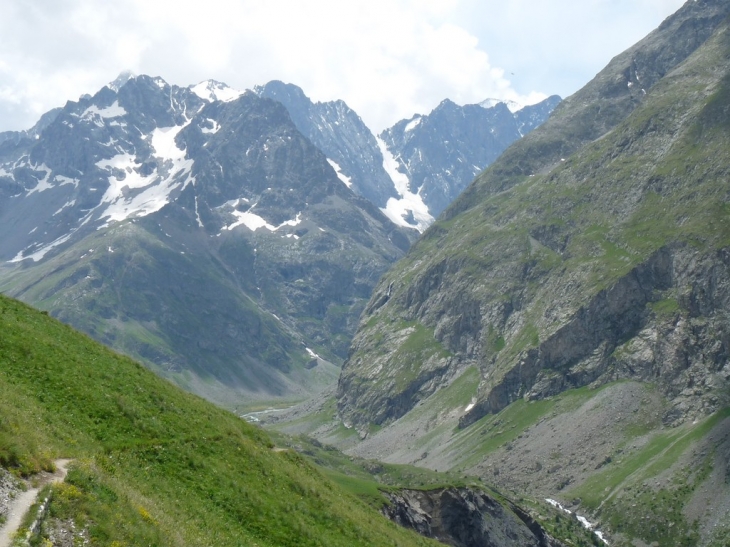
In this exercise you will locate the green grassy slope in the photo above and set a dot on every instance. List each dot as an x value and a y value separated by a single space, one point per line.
154 465
175 308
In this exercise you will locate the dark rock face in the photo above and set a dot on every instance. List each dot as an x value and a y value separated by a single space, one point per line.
616 336
339 132
197 234
463 517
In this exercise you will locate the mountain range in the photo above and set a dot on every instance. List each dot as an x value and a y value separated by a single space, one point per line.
229 240
560 332
414 169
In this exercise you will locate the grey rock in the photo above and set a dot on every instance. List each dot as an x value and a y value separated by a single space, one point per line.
464 517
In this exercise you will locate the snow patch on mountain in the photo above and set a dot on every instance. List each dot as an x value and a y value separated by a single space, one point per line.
157 186
113 111
66 180
36 256
409 210
210 90
250 220
214 126
412 124
44 183
253 222
313 354
344 178
163 141
65 206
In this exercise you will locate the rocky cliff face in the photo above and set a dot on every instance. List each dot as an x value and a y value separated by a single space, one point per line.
575 259
463 517
339 132
664 322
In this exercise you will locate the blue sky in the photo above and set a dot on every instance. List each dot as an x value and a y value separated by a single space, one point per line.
388 59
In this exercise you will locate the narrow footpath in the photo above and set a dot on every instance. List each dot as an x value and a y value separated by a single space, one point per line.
24 500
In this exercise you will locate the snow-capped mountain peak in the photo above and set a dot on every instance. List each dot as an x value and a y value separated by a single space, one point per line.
211 90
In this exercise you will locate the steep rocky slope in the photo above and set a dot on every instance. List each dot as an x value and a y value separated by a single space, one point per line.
196 229
591 259
338 131
547 275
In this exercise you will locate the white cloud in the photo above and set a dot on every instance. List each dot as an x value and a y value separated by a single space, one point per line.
386 58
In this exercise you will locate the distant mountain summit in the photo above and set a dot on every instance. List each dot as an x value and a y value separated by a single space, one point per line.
211 91
120 80
512 105
439 154
341 134
414 169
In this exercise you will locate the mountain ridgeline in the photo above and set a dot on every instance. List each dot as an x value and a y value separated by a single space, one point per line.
229 240
414 169
584 275
443 151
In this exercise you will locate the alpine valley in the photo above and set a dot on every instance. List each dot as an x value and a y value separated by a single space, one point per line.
560 332
563 329
226 239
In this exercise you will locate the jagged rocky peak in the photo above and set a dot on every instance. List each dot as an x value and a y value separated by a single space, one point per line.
340 133
120 80
285 93
434 157
211 90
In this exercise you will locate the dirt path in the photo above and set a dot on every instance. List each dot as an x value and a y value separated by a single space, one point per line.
23 501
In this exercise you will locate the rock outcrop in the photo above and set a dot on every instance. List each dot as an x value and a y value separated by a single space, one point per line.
464 517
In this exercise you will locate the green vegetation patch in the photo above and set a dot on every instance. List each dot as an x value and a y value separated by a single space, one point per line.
656 506
155 465
473 444
419 346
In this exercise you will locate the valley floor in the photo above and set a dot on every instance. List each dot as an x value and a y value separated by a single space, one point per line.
603 452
